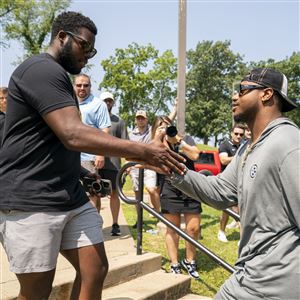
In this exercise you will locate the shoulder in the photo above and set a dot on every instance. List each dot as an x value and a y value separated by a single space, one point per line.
224 145
44 62
41 70
96 102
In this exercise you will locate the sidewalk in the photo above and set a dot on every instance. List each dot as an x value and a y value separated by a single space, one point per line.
115 247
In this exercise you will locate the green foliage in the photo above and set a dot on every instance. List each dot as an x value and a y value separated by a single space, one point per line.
212 69
30 21
291 68
140 79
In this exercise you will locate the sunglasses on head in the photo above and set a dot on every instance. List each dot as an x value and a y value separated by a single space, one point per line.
86 46
79 85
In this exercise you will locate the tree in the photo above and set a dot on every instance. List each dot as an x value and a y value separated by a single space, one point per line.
212 70
291 68
141 79
30 21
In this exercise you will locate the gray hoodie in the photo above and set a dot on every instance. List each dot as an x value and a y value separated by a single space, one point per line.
264 181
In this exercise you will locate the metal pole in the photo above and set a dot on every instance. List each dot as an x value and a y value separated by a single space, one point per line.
139 227
181 67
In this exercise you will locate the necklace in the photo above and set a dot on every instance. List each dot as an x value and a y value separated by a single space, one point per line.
248 150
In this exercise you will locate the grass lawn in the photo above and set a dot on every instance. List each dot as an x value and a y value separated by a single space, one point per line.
212 276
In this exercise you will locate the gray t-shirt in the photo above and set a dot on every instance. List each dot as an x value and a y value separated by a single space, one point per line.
118 129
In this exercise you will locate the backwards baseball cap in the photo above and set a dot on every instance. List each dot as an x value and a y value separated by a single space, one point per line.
273 79
141 113
106 95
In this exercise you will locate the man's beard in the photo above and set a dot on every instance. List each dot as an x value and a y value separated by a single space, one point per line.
67 59
243 117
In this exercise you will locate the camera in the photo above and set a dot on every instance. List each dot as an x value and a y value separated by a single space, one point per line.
100 187
171 131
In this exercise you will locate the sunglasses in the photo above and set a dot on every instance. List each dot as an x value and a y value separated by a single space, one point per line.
245 89
85 85
238 134
86 46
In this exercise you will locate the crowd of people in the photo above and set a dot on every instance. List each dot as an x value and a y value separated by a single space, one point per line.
52 130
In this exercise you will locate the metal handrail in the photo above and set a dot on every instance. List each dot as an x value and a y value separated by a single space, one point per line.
139 202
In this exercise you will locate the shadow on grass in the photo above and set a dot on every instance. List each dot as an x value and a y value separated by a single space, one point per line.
210 288
205 224
233 236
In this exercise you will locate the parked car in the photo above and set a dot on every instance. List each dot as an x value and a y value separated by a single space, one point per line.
208 162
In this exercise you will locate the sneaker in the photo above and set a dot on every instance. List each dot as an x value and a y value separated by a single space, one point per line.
222 237
176 269
115 229
234 224
191 268
152 231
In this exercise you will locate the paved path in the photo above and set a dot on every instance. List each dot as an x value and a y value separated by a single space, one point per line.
115 246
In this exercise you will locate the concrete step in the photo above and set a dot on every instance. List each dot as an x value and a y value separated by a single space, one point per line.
158 285
194 297
131 266
121 269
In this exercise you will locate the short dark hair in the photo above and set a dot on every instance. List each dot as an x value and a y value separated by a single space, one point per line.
71 21
238 125
3 90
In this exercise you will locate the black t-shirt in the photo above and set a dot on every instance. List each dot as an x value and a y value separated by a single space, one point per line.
229 148
37 173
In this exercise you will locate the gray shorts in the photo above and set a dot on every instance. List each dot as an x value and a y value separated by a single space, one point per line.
33 240
149 178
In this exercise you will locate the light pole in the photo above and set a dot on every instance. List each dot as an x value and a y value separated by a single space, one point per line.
181 67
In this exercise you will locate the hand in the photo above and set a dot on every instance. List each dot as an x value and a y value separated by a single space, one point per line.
160 158
99 162
174 140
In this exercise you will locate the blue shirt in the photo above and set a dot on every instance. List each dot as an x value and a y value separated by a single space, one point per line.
94 113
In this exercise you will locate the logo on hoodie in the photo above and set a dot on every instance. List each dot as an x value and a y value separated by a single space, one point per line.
253 171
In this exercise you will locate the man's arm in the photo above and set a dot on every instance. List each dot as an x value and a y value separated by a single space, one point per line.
224 158
100 159
219 191
67 126
173 113
289 176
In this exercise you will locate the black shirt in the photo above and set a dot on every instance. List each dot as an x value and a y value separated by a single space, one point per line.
229 148
37 173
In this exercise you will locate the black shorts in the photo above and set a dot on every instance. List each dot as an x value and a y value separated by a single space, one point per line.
110 175
174 201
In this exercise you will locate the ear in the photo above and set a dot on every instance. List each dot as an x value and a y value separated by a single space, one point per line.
267 95
62 36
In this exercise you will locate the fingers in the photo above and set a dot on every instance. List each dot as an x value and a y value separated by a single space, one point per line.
161 170
174 162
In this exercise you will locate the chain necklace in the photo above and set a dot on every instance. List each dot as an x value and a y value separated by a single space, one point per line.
248 150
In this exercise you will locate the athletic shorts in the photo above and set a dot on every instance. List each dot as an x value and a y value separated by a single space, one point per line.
33 240
149 178
110 175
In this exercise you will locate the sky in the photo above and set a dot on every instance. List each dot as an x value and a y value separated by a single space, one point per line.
258 30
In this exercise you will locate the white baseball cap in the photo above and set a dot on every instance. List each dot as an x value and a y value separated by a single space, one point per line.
107 95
